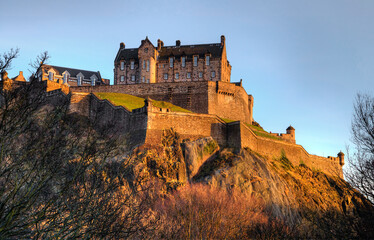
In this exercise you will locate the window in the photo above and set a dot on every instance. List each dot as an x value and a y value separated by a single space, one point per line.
143 64
188 75
79 80
50 76
143 79
93 82
213 74
165 76
147 80
200 74
171 62
183 61
195 61
146 50
147 65
122 78
133 78
122 65
132 65
176 75
207 60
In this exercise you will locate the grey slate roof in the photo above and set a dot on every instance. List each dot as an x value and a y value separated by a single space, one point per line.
73 72
215 49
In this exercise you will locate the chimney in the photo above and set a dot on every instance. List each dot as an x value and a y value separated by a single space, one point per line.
158 44
20 74
178 43
121 45
223 40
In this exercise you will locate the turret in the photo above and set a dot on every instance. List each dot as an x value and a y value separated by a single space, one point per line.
341 158
290 130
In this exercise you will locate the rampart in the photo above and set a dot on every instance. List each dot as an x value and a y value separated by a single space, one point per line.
227 100
240 133
145 125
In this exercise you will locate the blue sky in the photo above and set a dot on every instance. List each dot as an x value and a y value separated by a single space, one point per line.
303 61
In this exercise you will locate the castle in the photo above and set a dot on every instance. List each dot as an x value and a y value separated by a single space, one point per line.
195 78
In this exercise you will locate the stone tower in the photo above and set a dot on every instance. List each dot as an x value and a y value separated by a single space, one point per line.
341 158
291 131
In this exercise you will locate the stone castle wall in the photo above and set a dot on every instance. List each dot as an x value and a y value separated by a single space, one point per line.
145 125
239 132
227 100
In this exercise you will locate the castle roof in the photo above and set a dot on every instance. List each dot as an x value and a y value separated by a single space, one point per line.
214 49
290 128
72 71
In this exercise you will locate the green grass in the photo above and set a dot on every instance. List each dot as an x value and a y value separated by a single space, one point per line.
132 102
259 131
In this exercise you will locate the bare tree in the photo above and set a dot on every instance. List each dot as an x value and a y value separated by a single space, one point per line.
361 162
7 58
59 176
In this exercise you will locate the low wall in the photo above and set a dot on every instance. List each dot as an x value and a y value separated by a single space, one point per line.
273 149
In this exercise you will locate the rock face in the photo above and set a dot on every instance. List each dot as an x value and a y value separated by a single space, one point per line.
197 152
318 204
307 200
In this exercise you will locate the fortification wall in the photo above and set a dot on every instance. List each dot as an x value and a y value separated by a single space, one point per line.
273 149
226 100
145 125
188 125
119 120
229 100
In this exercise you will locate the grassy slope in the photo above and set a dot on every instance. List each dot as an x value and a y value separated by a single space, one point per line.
132 102
259 131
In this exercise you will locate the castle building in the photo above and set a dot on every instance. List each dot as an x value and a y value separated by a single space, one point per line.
70 76
179 63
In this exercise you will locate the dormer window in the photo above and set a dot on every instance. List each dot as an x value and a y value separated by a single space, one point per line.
50 76
79 80
171 61
183 61
66 76
207 60
195 61
132 65
122 65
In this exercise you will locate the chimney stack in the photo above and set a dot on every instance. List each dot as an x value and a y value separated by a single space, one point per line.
223 40
158 44
178 43
121 45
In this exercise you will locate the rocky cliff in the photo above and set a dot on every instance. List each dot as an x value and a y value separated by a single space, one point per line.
311 203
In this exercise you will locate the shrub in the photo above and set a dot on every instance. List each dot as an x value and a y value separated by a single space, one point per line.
201 212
